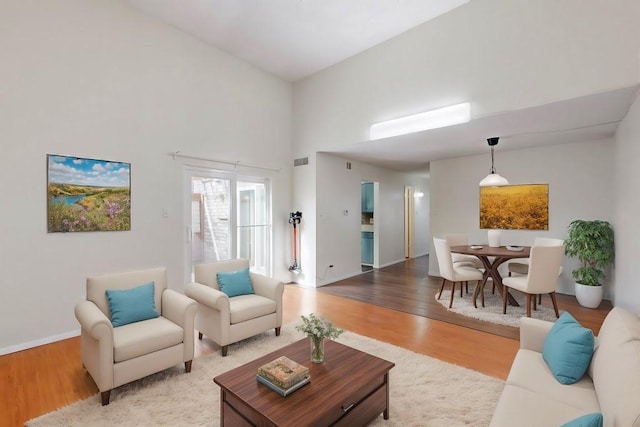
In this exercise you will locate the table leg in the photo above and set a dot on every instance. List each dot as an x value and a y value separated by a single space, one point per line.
491 270
385 413
495 275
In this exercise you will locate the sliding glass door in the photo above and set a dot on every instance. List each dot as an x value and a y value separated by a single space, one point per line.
253 225
229 217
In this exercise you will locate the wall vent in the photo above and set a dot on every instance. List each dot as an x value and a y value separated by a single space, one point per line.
301 161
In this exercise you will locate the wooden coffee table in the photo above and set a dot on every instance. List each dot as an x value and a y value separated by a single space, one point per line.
350 388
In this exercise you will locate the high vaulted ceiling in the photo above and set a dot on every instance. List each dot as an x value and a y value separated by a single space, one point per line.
293 39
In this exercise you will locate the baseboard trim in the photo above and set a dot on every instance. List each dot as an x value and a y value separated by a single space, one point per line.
392 263
337 279
39 342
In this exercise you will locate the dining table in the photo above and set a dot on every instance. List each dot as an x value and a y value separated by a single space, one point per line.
492 258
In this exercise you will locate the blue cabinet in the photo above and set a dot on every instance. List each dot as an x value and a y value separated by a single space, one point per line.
367 197
367 247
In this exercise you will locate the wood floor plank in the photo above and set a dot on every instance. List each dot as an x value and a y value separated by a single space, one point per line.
42 379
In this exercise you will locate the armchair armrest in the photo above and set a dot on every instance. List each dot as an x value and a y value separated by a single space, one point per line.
533 333
207 295
181 310
267 287
94 321
178 308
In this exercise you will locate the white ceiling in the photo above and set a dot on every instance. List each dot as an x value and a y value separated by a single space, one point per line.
293 39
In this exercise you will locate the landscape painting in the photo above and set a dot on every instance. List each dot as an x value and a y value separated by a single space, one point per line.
87 194
515 207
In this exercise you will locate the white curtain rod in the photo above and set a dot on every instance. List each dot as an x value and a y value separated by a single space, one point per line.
177 154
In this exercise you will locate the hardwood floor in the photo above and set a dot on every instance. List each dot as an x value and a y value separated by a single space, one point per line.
407 287
42 379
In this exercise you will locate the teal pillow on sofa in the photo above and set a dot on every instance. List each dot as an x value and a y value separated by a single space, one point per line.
589 420
132 305
567 349
234 283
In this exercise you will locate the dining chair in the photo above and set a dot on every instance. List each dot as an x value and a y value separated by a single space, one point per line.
544 264
521 266
454 274
458 239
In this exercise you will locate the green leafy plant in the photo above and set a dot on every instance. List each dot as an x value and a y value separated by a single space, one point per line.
317 328
592 243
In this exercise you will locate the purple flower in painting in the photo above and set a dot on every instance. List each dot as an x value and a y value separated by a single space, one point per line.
113 209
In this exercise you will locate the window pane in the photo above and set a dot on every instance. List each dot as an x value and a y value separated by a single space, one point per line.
253 228
211 207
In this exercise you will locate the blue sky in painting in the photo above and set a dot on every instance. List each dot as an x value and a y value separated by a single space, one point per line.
79 171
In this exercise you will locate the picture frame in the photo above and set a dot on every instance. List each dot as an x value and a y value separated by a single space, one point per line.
85 194
515 207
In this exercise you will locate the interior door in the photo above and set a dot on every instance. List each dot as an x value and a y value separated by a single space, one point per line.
409 226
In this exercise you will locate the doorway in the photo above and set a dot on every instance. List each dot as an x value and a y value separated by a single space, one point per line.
409 222
368 238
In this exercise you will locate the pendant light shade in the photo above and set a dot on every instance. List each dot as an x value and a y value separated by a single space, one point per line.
493 179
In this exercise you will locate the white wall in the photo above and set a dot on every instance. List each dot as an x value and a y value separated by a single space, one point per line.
580 178
304 196
98 79
627 209
500 55
337 236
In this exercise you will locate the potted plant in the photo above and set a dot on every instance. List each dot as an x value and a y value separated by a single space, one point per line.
592 243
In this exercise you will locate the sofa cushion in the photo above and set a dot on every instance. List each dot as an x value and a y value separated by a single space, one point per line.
616 368
132 305
234 283
139 338
588 420
246 307
567 349
526 408
530 371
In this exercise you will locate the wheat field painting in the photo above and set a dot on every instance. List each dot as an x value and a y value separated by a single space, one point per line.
87 195
515 207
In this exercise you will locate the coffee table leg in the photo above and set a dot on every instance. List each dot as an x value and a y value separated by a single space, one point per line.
385 414
221 406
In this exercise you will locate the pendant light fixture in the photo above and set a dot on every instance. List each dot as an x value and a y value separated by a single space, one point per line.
493 179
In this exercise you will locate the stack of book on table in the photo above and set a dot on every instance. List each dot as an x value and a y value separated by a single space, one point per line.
283 375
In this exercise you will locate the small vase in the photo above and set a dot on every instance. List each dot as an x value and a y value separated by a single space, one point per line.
317 349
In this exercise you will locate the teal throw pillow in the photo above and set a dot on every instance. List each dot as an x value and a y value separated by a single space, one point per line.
589 420
234 283
132 305
567 349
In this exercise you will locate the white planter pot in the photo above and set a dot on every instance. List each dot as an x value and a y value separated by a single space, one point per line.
494 238
588 296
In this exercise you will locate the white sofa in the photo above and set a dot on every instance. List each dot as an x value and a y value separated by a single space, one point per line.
533 397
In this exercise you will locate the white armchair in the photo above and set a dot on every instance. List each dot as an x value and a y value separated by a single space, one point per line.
114 356
226 320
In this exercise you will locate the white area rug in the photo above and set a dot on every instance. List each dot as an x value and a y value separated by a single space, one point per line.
424 391
492 311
